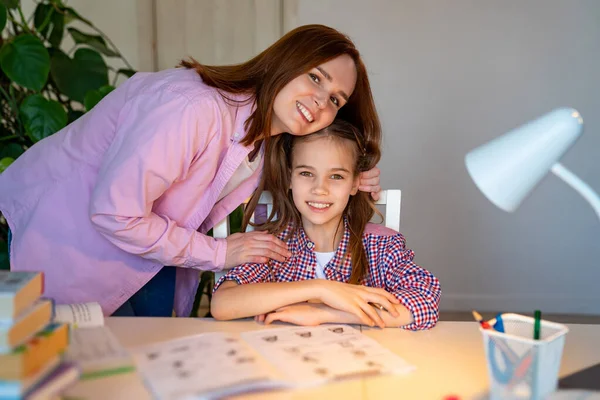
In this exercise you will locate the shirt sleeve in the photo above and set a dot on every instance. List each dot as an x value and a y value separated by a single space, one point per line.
416 288
159 135
246 273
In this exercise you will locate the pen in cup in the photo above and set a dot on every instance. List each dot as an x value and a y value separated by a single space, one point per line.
537 315
499 324
478 318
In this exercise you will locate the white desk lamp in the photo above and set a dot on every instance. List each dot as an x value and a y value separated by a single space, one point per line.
507 168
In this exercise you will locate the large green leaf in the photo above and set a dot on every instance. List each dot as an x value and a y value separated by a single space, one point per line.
2 17
84 72
127 72
10 3
42 18
11 150
25 60
49 23
5 162
95 41
93 97
42 117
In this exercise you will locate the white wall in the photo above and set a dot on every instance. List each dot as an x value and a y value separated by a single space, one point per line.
450 75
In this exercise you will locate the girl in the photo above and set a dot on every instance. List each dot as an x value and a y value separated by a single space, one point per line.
136 183
324 221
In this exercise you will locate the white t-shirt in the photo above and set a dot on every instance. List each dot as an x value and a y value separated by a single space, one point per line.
322 260
244 171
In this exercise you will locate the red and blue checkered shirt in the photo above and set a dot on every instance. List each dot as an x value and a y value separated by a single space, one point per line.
391 267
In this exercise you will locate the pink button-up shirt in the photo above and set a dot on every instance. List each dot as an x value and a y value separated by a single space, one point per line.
129 187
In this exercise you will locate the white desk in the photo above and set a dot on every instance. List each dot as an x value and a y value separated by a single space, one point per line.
450 360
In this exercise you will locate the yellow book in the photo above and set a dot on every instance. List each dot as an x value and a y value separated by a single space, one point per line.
30 357
28 324
18 291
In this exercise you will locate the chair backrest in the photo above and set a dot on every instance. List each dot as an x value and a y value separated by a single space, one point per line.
392 199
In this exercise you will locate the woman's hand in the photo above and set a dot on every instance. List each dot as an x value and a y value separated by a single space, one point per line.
355 299
305 314
254 247
369 182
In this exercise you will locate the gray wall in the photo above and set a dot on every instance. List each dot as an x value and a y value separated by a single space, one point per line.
451 75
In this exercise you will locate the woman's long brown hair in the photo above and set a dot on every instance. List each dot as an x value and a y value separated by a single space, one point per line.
296 53
277 178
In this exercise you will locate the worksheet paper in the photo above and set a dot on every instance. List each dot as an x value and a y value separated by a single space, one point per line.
218 364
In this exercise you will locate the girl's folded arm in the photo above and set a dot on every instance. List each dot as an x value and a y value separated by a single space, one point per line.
417 289
247 290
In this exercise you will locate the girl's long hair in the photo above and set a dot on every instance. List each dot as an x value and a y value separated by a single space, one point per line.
262 78
277 177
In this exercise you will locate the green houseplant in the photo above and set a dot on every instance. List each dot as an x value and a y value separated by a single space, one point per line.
43 87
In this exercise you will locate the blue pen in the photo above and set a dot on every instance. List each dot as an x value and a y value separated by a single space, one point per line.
499 325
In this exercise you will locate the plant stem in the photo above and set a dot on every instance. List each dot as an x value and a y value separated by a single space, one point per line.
23 19
2 139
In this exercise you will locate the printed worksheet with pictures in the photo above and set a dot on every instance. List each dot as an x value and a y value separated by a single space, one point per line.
314 355
218 364
209 365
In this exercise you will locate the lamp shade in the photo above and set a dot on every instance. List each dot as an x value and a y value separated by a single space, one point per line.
507 168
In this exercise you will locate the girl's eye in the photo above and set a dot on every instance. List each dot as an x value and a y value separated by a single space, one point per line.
314 77
335 101
336 176
305 173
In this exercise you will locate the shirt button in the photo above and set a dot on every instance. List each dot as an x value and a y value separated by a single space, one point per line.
310 245
309 268
236 135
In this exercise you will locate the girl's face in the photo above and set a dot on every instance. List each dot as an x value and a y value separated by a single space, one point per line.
311 101
321 185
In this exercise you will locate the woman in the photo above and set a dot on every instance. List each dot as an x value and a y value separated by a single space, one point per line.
137 182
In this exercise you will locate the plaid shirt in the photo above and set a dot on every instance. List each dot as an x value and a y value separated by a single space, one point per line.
391 267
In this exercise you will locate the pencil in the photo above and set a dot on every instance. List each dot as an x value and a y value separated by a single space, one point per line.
478 318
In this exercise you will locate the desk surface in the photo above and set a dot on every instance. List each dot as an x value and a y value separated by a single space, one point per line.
449 360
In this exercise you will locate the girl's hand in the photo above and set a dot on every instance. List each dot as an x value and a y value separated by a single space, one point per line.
369 182
254 247
305 314
355 299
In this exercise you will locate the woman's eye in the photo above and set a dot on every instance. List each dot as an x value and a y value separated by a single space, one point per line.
335 101
305 173
314 77
336 176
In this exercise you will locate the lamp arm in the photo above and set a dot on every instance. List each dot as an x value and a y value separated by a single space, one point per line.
580 186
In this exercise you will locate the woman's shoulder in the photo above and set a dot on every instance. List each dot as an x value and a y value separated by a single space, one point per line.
384 238
378 230
178 84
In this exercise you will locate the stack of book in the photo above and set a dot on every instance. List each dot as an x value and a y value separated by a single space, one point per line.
32 365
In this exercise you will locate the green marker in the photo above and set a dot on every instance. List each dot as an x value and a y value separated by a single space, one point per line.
537 315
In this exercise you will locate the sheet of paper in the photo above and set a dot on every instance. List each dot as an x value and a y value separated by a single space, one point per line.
97 349
79 315
313 355
203 366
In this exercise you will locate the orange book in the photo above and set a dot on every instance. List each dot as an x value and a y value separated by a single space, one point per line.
18 291
30 321
28 358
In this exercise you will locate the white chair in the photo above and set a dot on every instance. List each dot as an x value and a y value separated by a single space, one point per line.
391 199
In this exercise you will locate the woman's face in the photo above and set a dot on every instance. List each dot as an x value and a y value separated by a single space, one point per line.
311 101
